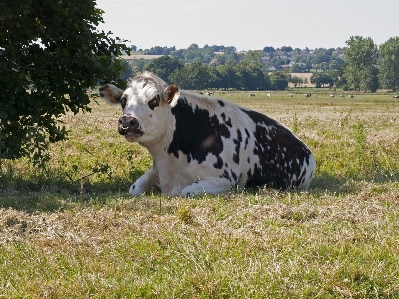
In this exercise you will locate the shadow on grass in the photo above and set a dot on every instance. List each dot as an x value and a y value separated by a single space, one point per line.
39 193
347 185
50 195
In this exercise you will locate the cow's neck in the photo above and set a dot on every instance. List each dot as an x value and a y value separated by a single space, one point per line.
160 145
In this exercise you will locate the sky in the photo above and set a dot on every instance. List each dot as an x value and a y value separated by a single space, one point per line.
249 24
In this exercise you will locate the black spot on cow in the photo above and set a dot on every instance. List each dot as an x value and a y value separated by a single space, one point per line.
226 121
237 142
219 163
197 133
221 103
281 154
234 176
226 175
246 139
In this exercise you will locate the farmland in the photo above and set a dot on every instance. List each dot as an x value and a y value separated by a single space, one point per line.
70 230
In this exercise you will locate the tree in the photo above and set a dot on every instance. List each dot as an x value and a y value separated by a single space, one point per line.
360 72
50 53
295 80
321 79
251 76
163 66
389 64
286 49
268 49
127 72
195 76
279 81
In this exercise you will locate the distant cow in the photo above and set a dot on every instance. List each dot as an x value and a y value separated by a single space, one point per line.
331 95
268 95
395 97
251 95
290 95
206 145
342 96
351 96
308 95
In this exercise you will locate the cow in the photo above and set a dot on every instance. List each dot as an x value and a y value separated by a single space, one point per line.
251 95
331 95
205 145
351 96
342 96
308 95
395 97
290 95
268 95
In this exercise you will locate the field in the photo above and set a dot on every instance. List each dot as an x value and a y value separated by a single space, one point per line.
70 230
303 76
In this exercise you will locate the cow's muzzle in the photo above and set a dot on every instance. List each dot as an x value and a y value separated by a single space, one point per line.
129 125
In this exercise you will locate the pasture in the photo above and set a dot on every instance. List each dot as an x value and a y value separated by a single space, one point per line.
71 231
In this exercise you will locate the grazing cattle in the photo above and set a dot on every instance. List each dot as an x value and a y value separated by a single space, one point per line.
395 97
308 95
200 92
342 96
209 93
331 95
290 95
351 96
251 95
268 95
206 145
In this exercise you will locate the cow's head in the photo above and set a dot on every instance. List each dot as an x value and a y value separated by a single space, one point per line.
146 105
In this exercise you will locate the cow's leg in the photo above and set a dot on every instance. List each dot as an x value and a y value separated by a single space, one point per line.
207 185
145 183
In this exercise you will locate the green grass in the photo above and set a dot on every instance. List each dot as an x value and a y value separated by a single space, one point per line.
71 231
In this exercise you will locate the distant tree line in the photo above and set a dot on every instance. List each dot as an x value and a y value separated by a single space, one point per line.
359 66
244 75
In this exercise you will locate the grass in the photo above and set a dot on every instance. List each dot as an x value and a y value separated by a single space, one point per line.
71 231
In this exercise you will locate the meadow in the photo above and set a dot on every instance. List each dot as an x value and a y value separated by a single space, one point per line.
70 230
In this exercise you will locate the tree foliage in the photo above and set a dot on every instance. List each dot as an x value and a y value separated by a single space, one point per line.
50 53
164 66
279 80
322 79
389 64
360 71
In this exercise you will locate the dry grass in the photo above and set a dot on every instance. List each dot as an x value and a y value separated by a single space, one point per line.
67 233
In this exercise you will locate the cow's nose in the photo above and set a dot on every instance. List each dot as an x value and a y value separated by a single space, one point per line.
127 122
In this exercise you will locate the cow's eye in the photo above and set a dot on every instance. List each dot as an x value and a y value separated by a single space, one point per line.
123 102
154 102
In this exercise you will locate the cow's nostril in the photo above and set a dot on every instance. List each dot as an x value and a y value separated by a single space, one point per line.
132 122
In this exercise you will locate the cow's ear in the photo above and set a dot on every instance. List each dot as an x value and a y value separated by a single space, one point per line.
111 94
172 94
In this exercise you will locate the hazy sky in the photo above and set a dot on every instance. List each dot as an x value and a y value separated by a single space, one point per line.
249 24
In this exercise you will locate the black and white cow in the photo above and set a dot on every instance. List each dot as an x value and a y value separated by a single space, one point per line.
206 145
